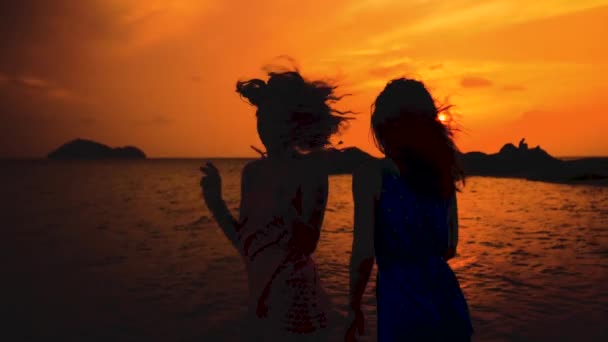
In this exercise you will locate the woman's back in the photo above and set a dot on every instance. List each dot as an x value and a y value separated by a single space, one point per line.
276 195
410 225
270 187
418 294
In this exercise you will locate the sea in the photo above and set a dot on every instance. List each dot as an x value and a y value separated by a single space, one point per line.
127 251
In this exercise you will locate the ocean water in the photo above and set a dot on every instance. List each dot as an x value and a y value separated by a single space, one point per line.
127 251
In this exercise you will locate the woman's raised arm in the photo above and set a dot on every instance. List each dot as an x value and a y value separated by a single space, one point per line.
211 186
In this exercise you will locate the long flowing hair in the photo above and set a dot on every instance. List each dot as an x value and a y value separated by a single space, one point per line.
300 109
407 128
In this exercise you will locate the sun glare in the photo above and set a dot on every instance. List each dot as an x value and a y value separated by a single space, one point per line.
442 117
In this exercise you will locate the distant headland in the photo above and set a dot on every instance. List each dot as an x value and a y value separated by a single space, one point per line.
88 149
534 164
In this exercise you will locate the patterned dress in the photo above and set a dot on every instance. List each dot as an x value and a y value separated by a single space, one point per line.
283 282
419 297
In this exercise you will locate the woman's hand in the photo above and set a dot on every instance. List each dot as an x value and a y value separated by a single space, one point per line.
357 325
211 185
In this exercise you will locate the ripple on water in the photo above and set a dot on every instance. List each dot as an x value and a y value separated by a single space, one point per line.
531 253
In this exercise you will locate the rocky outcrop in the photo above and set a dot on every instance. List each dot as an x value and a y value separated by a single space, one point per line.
88 149
532 163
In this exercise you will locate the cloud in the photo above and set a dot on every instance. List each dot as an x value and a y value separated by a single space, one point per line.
31 82
395 70
475 82
34 86
514 87
466 16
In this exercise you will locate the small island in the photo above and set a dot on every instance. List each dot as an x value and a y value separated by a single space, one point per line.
89 150
534 164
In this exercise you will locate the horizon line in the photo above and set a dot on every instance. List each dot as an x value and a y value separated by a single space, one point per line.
229 157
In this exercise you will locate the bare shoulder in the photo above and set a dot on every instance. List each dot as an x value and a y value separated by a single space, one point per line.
252 170
253 166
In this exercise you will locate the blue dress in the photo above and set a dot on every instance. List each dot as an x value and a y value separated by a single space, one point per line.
419 297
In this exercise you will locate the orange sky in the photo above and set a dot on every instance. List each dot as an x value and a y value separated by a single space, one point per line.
161 74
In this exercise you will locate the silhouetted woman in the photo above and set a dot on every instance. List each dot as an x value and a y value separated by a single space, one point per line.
283 200
406 219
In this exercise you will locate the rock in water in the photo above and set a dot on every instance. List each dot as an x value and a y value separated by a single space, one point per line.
532 163
88 149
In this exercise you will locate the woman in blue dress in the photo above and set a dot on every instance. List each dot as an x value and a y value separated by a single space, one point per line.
406 222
